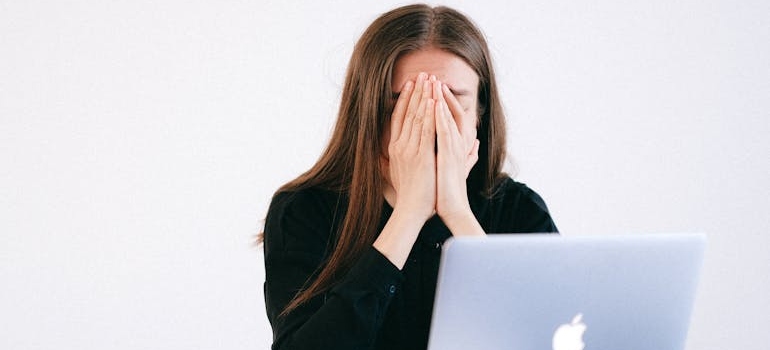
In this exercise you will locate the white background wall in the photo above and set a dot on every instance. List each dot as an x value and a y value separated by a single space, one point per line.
140 142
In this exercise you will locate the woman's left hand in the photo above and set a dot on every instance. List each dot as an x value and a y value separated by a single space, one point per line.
456 154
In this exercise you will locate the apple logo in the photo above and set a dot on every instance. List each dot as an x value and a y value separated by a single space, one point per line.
570 336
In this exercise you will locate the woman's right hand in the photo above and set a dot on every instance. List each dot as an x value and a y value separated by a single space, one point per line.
411 150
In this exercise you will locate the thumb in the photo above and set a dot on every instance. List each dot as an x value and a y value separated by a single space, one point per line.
472 157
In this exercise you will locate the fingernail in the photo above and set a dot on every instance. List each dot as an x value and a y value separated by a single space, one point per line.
433 78
408 85
422 76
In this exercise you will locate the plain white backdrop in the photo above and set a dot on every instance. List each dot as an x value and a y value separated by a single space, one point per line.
141 141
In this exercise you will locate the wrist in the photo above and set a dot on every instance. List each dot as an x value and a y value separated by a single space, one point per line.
398 236
410 216
456 216
462 223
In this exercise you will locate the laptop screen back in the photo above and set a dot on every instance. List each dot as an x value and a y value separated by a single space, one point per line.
563 293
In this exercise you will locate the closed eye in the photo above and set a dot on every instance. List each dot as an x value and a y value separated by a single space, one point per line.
458 92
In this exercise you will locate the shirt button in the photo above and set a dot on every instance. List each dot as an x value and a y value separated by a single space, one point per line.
438 245
392 289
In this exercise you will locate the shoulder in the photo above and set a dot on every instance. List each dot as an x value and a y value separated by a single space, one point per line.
511 192
516 208
307 200
302 219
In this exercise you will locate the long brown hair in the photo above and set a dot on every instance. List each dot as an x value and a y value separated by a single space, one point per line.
351 162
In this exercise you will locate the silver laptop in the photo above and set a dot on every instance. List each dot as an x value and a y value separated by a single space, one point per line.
566 293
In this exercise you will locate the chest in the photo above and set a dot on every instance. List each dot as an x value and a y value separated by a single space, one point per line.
407 323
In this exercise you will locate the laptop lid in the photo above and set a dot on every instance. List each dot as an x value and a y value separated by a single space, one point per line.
566 293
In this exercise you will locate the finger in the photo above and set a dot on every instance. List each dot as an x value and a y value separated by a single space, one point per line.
422 93
434 82
443 131
451 119
452 137
474 153
445 106
399 111
417 124
467 131
446 112
428 142
473 157
414 99
454 105
457 137
436 88
427 91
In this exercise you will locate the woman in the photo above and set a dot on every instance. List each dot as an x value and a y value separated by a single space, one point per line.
352 246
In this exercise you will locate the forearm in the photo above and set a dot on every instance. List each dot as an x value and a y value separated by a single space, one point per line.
463 224
346 317
398 236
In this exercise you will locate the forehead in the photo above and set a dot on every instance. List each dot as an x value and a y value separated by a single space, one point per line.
447 67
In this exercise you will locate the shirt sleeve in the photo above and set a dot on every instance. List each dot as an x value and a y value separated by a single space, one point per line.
535 215
348 316
527 211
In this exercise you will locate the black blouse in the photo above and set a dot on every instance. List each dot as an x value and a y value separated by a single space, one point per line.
375 306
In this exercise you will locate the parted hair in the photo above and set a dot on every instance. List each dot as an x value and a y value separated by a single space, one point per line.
350 164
